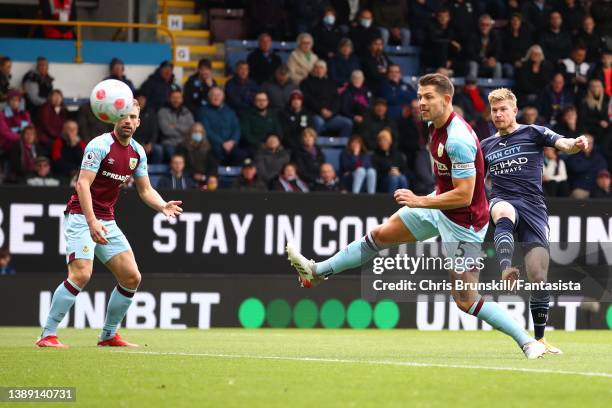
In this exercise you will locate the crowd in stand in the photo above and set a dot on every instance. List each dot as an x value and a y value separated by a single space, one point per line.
340 82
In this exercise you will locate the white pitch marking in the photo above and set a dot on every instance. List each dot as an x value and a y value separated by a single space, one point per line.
375 362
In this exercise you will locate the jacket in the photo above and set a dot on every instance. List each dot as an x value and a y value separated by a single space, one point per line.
174 124
221 124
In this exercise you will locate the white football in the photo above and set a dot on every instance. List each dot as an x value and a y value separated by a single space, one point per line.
111 100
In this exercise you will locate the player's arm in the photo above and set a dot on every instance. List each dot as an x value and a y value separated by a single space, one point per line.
83 189
572 146
460 196
152 198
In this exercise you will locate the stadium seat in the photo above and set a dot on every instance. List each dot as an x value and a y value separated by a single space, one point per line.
332 156
154 178
236 50
158 169
406 57
332 141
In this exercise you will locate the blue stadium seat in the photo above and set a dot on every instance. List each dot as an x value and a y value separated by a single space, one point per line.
154 178
228 171
332 156
236 50
332 141
158 169
406 57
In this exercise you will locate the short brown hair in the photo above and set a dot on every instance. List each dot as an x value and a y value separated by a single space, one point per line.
441 82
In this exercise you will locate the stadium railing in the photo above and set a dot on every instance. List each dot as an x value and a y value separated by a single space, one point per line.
100 24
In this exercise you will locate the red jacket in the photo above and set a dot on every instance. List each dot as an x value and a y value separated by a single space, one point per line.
50 124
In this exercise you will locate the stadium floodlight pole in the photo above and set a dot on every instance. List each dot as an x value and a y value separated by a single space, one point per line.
100 24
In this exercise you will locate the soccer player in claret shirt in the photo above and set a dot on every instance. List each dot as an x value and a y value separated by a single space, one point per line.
90 229
457 211
514 158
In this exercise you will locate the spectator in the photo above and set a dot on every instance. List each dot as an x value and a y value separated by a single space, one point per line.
157 87
212 184
421 12
593 114
199 160
197 86
346 11
536 12
602 185
602 13
516 39
390 17
487 51
279 89
58 10
270 158
530 116
295 118
178 179
356 167
390 164
147 133
117 71
567 125
306 13
414 132
588 36
67 151
356 98
90 126
288 180
222 128
572 15
5 260
13 119
376 120
248 179
327 35
175 122
554 98
603 71
375 65
555 41
263 61
554 177
483 126
364 32
5 77
343 63
328 181
396 92
576 70
321 98
464 18
42 176
37 84
533 76
471 100
308 157
583 168
257 123
302 59
241 89
266 16
442 47
23 155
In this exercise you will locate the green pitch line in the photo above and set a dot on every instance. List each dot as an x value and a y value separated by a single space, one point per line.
305 368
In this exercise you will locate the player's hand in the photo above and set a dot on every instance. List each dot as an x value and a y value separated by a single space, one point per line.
98 232
172 209
582 143
406 197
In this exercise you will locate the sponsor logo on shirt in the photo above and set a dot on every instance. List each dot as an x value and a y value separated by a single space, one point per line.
115 176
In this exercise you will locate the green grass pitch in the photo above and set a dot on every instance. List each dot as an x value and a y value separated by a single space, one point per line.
312 368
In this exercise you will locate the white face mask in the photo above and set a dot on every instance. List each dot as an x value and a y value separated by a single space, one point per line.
365 22
329 19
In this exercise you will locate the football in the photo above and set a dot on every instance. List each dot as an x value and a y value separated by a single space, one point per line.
110 100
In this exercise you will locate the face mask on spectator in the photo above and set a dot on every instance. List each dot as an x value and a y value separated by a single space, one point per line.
329 19
366 22
197 137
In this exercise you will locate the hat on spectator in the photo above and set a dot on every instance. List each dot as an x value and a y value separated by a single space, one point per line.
248 163
296 93
603 173
166 64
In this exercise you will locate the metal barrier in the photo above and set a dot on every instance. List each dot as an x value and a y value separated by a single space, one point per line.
100 24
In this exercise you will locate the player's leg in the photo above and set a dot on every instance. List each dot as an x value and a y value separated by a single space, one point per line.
119 259
406 225
465 243
504 217
79 257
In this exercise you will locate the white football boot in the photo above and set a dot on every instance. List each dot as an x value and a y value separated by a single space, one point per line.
534 349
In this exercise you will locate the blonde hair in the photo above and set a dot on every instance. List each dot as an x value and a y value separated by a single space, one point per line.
385 133
309 132
502 94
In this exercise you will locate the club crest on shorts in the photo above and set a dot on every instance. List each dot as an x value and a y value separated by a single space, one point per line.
133 163
440 149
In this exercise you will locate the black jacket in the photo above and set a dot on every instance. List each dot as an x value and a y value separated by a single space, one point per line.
320 93
262 67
